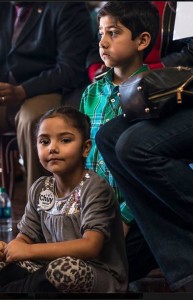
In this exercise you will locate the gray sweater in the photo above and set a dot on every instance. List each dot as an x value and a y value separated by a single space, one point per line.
90 206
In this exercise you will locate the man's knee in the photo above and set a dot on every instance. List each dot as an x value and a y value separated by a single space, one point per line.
33 108
129 148
27 116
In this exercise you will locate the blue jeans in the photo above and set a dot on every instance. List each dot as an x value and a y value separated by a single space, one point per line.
150 162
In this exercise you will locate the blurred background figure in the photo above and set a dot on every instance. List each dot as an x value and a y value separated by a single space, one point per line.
44 47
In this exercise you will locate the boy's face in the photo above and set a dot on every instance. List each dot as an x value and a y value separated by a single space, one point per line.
116 47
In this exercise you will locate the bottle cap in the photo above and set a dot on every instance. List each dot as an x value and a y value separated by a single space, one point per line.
2 190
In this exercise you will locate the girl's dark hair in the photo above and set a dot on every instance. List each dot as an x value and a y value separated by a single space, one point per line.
79 120
137 16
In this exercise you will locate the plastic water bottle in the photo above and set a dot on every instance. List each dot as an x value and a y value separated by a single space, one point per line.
5 212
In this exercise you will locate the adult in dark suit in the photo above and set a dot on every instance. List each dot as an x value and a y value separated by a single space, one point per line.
41 64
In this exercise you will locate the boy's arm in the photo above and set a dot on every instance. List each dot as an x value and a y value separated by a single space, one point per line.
127 217
83 100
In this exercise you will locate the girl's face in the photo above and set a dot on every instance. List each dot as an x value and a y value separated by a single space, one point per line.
116 47
60 146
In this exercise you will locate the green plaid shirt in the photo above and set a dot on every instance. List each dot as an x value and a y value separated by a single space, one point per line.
100 101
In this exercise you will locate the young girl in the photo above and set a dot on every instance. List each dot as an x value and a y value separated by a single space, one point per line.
71 236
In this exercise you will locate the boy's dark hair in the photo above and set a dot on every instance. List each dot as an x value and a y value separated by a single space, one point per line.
79 120
137 16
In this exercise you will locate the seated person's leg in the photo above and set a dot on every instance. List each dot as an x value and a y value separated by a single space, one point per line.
11 272
140 258
157 180
70 275
29 283
61 275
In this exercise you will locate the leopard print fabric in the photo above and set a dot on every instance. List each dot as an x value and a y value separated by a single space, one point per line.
67 274
28 265
70 275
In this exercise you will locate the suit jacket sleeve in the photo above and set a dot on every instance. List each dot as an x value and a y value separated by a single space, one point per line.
72 27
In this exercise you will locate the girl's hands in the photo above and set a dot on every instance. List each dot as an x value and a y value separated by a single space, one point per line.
2 250
17 250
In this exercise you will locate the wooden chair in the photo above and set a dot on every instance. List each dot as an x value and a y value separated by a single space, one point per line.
8 149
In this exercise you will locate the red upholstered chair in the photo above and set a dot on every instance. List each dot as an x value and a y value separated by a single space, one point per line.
8 149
